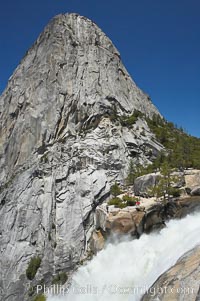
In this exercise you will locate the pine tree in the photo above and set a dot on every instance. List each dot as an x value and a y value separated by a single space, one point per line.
164 184
131 173
115 190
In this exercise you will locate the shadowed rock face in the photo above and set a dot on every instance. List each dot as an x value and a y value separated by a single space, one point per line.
61 147
179 283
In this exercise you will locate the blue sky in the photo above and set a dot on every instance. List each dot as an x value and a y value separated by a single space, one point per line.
159 42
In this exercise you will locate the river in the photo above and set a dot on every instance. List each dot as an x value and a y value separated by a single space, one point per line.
124 270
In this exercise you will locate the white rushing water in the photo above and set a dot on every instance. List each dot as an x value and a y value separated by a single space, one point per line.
123 271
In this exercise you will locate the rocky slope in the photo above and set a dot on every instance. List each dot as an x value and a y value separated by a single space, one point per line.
61 146
179 283
188 181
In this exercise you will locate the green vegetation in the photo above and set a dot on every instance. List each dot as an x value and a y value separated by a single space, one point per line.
60 278
164 184
124 202
40 297
33 289
126 120
130 120
131 173
117 202
129 200
120 203
33 267
183 149
162 190
135 171
115 190
175 192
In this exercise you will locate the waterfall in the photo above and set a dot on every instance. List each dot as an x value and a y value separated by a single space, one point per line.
123 271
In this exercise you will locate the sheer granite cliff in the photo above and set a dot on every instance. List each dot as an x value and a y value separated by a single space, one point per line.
61 147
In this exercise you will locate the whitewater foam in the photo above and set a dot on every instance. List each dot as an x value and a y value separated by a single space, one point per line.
123 271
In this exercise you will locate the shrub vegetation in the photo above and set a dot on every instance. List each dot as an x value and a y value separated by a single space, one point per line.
40 297
33 266
124 202
60 278
115 190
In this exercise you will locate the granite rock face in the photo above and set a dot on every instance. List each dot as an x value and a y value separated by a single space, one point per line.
195 191
179 283
192 178
142 184
127 221
61 146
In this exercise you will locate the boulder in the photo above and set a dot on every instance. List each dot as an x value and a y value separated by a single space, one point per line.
139 217
97 241
154 219
179 179
179 283
188 190
186 206
122 223
143 183
195 191
100 217
192 178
